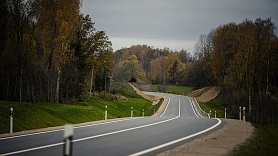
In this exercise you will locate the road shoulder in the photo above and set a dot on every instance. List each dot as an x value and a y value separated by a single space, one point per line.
218 143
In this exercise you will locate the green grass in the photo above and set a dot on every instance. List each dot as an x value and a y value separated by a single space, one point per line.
171 88
40 115
217 105
265 142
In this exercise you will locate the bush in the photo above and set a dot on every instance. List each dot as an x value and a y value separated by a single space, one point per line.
175 92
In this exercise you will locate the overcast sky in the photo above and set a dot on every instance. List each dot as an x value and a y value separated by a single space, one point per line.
176 24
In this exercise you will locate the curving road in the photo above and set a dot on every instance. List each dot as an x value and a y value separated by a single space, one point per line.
177 125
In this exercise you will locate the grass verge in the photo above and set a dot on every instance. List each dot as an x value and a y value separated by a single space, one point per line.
213 105
41 115
265 142
171 88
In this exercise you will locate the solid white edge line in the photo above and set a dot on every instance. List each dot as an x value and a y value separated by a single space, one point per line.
87 138
176 141
32 149
179 107
193 108
50 131
124 130
165 107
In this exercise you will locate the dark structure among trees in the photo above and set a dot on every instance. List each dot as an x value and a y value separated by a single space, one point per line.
132 80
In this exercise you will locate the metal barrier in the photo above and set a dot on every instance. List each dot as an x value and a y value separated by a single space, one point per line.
201 110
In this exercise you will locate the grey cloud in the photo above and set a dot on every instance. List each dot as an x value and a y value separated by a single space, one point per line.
172 20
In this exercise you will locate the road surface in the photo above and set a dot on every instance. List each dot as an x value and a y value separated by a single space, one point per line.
177 125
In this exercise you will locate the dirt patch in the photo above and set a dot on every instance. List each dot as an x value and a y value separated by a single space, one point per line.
218 143
153 98
209 94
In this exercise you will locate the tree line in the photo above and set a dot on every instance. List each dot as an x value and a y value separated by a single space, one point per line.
241 58
159 66
48 50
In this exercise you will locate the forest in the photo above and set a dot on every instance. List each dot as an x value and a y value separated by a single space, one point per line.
47 50
50 51
241 58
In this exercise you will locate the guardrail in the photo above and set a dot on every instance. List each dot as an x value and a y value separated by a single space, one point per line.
201 110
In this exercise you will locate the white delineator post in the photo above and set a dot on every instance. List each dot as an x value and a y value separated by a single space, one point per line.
214 114
225 113
105 116
11 120
68 136
239 113
143 113
243 119
131 112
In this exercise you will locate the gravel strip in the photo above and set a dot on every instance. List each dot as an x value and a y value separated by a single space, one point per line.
221 142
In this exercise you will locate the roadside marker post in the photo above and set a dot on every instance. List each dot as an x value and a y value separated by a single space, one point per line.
11 120
68 137
209 113
243 119
105 116
239 113
131 112
143 113
214 114
225 114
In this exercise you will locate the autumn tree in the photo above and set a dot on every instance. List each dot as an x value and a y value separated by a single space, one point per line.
241 62
47 50
183 56
58 22
20 40
155 70
223 50
174 67
99 57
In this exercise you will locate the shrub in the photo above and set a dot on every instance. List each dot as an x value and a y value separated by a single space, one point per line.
175 92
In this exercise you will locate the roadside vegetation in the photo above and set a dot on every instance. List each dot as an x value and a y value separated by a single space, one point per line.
265 140
45 114
171 89
60 62
213 105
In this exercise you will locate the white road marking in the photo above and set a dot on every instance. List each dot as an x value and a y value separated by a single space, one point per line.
193 108
115 132
91 137
103 123
124 130
32 149
179 107
176 141
165 107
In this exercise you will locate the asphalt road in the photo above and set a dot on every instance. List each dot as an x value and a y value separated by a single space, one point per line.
178 124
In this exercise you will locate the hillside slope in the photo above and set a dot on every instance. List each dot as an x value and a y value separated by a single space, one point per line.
154 99
205 94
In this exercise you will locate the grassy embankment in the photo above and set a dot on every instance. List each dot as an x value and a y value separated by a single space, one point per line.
40 115
216 104
265 141
172 89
